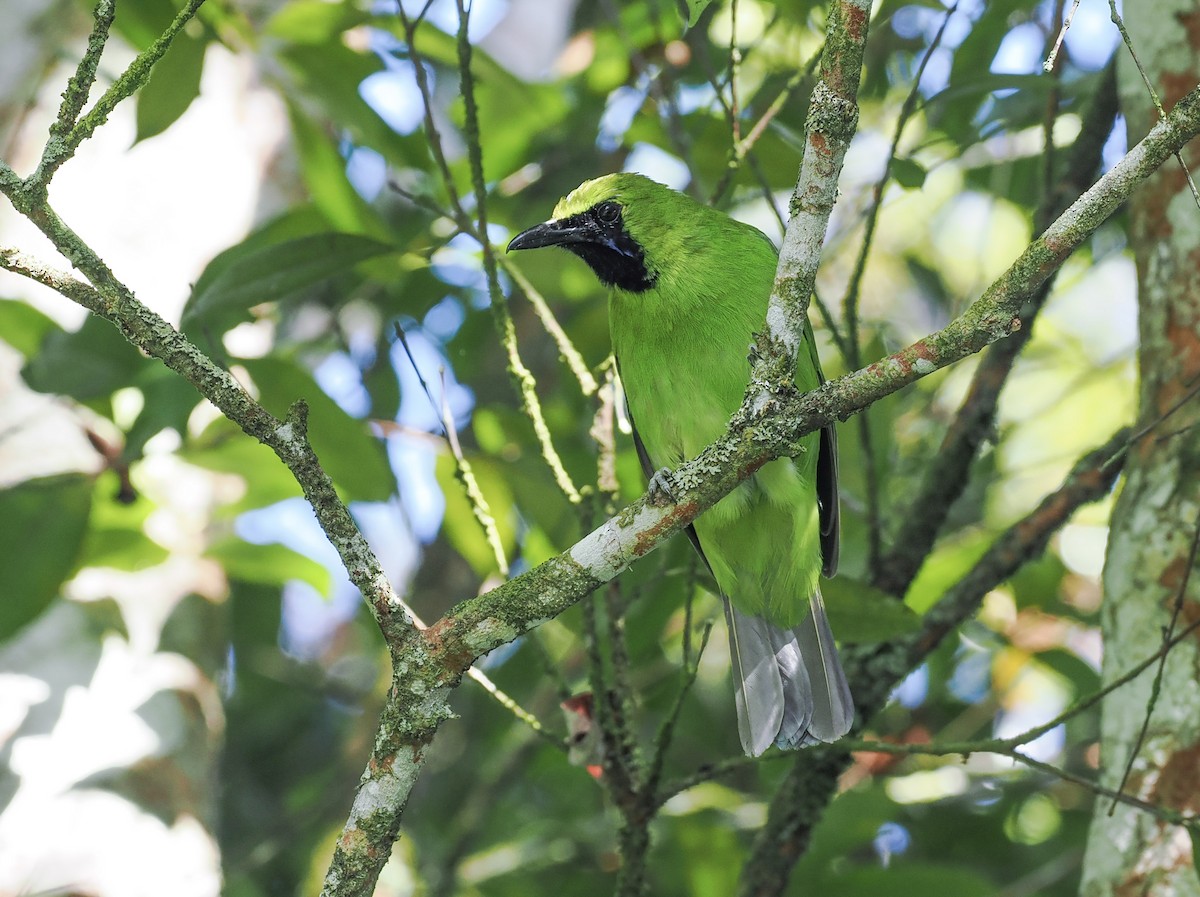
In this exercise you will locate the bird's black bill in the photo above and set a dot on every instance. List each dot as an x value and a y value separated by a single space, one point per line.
552 233
602 242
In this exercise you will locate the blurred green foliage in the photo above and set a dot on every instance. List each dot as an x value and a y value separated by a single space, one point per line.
497 810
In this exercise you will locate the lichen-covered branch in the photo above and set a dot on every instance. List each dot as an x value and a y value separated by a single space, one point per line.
80 84
428 665
762 432
832 120
412 712
64 141
945 480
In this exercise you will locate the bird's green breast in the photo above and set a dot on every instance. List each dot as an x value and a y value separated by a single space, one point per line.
682 349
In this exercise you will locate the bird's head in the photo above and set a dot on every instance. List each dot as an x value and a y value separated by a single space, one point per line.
628 228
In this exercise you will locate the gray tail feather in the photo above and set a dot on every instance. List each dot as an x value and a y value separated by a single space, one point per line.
832 705
789 686
758 688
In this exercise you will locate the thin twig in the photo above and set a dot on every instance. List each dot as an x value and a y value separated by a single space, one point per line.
80 85
850 298
566 348
656 87
743 147
434 136
463 472
466 476
735 59
850 302
874 671
689 669
522 376
61 146
603 433
1004 749
1048 65
944 480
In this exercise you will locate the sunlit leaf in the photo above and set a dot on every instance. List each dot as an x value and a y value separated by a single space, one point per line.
272 564
23 327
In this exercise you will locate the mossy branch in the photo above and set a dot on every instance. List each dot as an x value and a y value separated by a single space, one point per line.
428 665
66 134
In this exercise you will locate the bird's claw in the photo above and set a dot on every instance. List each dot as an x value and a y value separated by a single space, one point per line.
661 488
752 353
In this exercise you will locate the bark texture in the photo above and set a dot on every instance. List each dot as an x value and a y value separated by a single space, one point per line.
1150 570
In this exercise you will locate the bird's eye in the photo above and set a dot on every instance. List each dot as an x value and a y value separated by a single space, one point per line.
608 212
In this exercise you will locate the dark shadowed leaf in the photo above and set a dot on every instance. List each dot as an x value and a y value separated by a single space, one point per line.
87 364
861 613
42 524
173 84
240 278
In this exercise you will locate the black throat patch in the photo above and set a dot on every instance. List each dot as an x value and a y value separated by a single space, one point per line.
616 257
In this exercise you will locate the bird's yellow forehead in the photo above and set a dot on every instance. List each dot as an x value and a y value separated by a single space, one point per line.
587 195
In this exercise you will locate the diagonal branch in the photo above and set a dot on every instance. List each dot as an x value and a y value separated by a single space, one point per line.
832 121
63 142
761 432
945 480
773 417
80 84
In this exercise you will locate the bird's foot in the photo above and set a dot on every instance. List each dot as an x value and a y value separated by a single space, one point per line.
752 353
661 489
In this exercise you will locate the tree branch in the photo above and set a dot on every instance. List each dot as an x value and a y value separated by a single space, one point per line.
832 121
945 480
65 140
768 426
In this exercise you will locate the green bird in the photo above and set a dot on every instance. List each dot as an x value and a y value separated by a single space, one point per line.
688 288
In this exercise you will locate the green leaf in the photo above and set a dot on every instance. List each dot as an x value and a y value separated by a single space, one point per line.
354 458
909 173
329 74
272 564
949 563
692 10
324 170
462 529
116 536
24 327
240 278
42 524
514 115
314 21
167 402
142 22
861 613
174 83
224 447
89 363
